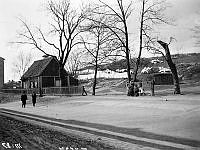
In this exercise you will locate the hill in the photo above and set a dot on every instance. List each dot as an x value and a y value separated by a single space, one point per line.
188 65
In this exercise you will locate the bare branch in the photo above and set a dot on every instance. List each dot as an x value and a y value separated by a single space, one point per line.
65 24
46 40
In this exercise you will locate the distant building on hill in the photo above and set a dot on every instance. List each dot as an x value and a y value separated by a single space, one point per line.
12 85
164 70
102 74
155 61
146 69
45 73
1 72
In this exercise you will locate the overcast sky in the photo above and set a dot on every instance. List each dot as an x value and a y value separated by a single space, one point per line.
184 12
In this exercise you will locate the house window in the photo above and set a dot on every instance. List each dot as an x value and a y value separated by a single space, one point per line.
32 85
58 83
36 85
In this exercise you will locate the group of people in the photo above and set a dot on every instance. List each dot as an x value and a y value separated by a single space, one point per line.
134 89
24 98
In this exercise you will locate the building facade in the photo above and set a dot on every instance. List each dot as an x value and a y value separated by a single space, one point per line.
163 79
45 73
1 72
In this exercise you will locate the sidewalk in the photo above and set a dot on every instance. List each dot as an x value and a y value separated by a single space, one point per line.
174 122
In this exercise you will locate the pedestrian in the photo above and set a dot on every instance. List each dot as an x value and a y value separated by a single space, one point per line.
136 90
131 89
34 98
84 93
152 87
141 89
23 99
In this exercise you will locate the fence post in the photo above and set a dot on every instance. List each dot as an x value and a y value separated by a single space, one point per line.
152 88
40 90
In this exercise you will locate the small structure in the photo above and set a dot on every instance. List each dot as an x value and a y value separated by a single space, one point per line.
164 70
163 79
45 73
1 72
146 69
155 61
11 84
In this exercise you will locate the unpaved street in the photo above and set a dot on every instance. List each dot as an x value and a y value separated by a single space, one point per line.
16 134
159 122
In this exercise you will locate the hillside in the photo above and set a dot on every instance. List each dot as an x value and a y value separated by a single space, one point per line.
188 65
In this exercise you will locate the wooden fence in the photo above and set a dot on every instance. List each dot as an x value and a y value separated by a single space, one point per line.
74 90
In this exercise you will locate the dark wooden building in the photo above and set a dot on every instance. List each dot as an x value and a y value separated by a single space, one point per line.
45 73
163 78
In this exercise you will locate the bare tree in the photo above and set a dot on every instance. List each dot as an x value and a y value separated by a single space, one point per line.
117 24
62 38
167 56
152 14
21 63
74 63
172 66
99 45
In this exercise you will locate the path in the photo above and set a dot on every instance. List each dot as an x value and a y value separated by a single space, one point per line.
143 122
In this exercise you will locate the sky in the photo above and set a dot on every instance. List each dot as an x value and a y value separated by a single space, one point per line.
184 12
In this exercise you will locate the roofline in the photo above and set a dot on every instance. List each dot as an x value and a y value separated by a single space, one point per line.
2 58
41 70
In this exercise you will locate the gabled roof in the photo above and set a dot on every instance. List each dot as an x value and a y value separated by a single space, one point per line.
37 68
2 58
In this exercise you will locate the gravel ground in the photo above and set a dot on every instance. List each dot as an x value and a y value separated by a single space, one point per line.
16 134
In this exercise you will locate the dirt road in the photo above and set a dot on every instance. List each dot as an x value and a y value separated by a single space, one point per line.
16 134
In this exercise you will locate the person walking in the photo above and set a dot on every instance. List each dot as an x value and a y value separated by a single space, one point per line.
136 90
131 89
23 99
84 93
34 98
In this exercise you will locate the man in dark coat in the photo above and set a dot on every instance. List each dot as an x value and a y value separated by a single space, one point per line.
136 90
131 89
34 98
23 99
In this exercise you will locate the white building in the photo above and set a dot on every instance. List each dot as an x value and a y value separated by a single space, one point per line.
155 61
164 70
104 74
146 69
86 71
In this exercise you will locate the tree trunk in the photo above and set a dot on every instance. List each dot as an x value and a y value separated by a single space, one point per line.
175 77
141 41
62 75
95 81
172 67
127 52
128 68
136 70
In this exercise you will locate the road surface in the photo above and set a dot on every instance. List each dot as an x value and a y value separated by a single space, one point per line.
15 134
167 122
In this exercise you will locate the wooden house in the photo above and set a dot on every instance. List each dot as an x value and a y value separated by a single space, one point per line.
45 73
163 78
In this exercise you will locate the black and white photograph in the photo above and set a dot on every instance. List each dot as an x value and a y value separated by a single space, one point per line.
100 75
